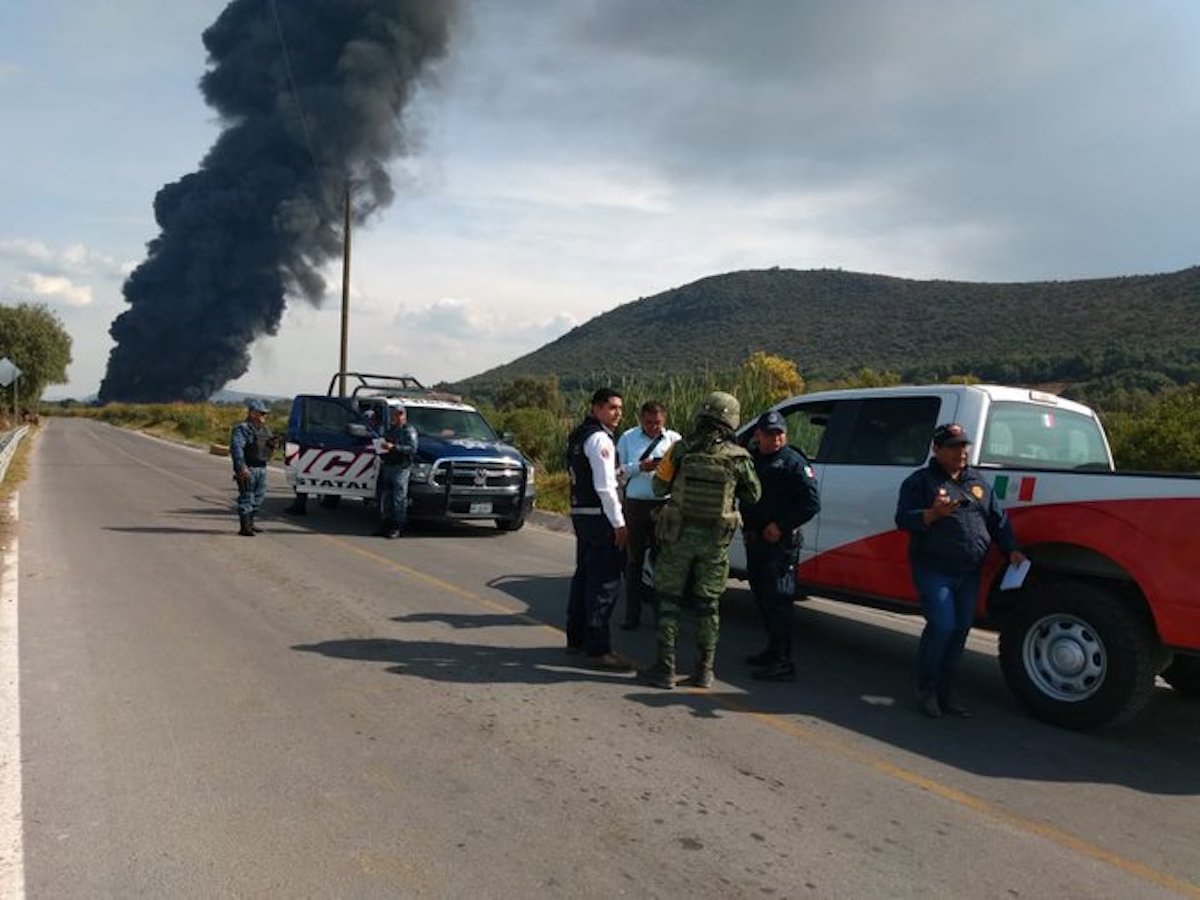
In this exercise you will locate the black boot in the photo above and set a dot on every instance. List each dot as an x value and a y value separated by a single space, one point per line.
779 669
247 525
254 525
762 657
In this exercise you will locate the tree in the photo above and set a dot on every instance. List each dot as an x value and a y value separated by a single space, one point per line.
779 376
34 338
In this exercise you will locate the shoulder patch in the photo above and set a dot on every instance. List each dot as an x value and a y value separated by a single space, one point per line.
977 491
808 470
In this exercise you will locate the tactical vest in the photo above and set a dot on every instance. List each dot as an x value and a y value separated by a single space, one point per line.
258 448
579 468
703 489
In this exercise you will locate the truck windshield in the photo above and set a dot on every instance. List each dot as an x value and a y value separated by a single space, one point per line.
1032 436
450 423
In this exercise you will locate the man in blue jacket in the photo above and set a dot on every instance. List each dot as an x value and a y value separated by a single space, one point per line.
771 531
952 518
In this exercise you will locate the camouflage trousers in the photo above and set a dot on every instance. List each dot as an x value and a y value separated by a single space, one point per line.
691 572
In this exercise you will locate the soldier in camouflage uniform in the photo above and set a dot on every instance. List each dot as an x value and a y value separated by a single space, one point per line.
703 473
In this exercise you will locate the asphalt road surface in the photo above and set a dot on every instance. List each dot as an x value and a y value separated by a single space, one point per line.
315 712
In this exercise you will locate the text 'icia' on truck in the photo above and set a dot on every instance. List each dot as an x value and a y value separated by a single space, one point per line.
462 469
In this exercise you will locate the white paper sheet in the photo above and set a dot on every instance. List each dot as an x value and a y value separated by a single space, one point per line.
1014 576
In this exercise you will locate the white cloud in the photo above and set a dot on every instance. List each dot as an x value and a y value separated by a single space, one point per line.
54 288
78 259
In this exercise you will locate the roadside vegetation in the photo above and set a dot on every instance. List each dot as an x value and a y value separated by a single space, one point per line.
1151 432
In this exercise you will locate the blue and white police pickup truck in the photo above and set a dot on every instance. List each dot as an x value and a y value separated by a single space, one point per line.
462 470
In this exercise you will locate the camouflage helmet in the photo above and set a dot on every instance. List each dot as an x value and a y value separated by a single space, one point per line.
721 407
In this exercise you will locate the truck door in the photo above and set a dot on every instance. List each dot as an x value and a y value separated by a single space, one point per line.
330 448
871 446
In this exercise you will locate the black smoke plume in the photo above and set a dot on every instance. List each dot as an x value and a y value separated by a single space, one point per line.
310 93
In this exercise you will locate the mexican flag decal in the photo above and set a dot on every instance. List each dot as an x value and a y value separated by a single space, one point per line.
1024 489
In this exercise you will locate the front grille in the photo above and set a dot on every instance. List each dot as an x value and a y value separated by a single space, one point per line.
478 476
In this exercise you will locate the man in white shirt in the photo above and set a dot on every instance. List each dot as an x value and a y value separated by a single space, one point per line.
638 452
600 534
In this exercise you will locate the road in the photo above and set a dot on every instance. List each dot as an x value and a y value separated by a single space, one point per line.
318 713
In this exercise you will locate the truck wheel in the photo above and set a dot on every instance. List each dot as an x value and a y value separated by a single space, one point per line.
1076 656
1184 675
510 524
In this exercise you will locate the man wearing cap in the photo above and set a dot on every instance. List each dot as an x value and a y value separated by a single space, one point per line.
771 530
952 518
398 447
250 447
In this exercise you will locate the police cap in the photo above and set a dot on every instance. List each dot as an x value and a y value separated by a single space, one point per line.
950 435
771 420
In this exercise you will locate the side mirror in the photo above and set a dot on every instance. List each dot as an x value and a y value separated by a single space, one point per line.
358 430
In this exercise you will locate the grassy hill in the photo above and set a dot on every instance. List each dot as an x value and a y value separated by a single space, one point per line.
1143 328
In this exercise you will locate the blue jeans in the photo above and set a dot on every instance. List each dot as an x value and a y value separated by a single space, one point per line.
250 497
393 501
948 603
594 586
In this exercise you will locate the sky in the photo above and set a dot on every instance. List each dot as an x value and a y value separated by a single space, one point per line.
568 157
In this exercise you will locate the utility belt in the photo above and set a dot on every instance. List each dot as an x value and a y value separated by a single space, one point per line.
795 537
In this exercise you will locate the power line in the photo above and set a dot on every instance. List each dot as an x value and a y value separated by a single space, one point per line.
287 64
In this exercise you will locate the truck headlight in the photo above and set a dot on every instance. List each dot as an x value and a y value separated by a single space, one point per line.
529 476
420 472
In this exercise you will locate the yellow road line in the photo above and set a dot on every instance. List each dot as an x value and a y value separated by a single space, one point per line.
826 742
843 748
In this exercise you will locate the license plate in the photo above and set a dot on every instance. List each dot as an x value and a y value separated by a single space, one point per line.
481 509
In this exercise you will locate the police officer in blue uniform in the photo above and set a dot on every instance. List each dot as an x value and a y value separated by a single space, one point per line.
399 448
771 530
952 517
250 447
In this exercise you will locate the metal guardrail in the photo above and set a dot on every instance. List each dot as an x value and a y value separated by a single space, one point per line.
8 447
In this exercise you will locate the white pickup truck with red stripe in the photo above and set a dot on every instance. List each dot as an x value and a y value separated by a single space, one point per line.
1112 599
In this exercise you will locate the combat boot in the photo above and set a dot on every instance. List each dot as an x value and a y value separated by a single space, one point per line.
703 676
247 529
662 673
254 525
779 669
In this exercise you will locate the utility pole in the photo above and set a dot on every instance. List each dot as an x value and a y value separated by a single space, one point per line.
345 295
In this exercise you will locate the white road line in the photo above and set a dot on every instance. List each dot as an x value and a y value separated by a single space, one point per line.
12 850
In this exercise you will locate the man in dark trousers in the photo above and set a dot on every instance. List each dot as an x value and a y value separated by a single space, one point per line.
398 448
771 530
600 534
952 518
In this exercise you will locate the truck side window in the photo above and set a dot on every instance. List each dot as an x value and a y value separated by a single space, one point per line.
892 431
323 418
806 425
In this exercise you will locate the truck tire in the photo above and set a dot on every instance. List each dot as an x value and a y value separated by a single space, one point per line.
1077 656
510 524
1183 674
